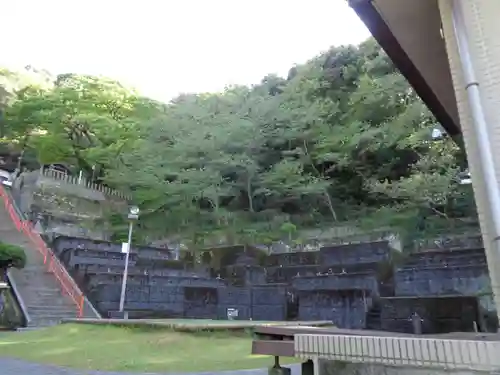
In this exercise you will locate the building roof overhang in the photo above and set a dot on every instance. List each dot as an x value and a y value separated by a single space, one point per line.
410 33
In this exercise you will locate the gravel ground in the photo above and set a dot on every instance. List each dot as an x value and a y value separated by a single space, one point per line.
16 367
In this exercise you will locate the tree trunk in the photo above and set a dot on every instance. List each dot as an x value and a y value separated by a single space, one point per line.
325 191
23 151
250 194
330 205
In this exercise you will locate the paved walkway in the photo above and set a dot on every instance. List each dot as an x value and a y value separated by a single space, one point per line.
15 367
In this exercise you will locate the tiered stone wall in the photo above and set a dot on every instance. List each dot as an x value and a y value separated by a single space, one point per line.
443 272
438 314
317 285
446 284
338 283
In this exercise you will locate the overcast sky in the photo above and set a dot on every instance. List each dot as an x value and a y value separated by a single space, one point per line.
165 47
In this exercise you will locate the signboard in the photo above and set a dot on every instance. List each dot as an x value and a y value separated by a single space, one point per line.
232 314
124 247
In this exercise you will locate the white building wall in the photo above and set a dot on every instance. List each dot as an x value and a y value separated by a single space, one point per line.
482 18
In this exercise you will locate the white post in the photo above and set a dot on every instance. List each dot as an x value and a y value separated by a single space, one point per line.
125 270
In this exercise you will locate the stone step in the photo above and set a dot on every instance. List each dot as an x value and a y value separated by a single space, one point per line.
42 284
45 295
48 300
43 323
45 289
56 303
50 318
48 283
51 309
49 306
38 274
37 268
36 293
38 271
53 316
44 299
55 300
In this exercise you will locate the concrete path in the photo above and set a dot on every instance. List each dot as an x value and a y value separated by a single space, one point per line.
15 367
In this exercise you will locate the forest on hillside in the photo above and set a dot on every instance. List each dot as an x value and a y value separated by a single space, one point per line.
343 140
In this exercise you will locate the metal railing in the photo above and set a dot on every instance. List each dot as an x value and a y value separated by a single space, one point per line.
50 260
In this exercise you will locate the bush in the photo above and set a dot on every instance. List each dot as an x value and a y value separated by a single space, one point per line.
11 256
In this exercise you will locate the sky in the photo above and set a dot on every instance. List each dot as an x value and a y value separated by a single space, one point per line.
168 47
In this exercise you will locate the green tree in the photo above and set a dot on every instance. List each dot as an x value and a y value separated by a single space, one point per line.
11 256
342 141
81 121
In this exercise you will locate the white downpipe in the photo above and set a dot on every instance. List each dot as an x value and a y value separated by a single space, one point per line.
481 126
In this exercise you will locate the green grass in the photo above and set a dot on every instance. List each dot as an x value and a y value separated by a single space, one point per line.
111 348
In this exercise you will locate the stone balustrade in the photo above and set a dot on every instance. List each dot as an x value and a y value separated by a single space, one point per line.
82 182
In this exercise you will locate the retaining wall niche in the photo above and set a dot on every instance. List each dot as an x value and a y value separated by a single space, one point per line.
438 314
346 309
435 273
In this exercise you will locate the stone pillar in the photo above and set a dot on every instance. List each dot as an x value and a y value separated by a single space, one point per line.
3 289
483 28
277 369
307 367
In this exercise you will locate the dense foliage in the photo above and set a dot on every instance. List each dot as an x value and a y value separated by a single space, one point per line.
342 141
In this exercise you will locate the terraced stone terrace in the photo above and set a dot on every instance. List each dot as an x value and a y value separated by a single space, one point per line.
357 286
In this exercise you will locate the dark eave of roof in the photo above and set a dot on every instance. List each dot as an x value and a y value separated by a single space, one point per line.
384 36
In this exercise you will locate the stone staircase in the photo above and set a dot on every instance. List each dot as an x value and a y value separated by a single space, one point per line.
39 289
374 318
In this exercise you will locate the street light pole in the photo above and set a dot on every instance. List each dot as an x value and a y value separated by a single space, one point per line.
133 215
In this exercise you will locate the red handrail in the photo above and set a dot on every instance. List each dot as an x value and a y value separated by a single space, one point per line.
50 260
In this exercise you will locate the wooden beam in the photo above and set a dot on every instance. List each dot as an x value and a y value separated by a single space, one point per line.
273 347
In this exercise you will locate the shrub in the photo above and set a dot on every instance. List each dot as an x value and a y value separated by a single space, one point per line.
11 256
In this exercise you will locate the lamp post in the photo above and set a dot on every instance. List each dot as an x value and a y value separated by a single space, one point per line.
133 214
437 134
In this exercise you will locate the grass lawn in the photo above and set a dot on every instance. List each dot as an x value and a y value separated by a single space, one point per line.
132 349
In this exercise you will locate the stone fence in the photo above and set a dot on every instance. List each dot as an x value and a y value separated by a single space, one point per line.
83 182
